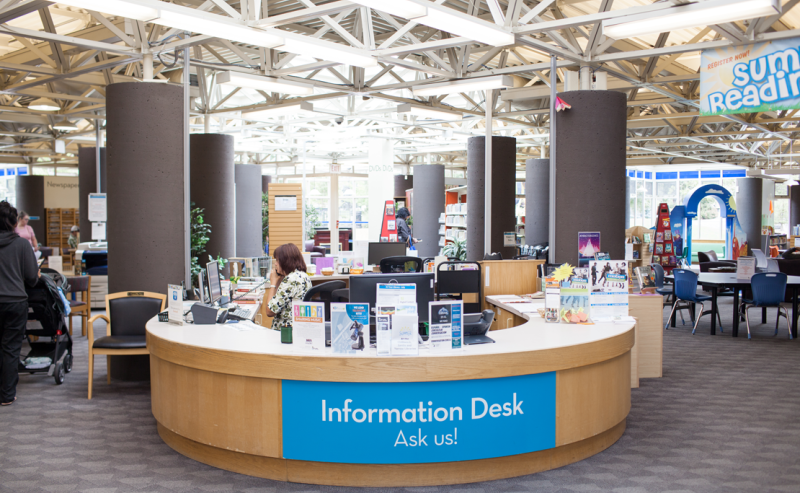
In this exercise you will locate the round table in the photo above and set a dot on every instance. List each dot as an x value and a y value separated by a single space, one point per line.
543 396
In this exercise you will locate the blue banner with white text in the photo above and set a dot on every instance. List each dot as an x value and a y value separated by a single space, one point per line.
418 422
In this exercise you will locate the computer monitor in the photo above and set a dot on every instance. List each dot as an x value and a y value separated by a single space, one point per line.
381 250
363 289
214 285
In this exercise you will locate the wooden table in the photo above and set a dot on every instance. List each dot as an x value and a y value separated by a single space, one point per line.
232 399
716 281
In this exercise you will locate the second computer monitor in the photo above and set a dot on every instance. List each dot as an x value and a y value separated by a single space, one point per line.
381 250
363 289
214 284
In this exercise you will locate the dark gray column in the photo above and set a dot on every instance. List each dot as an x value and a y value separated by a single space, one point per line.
265 181
30 198
537 201
145 231
403 183
428 207
794 207
627 202
748 210
590 160
504 152
213 189
248 210
87 183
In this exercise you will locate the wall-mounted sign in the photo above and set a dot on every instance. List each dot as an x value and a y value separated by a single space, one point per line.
286 202
98 207
418 422
750 78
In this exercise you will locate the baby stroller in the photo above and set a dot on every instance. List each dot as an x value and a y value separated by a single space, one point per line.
46 321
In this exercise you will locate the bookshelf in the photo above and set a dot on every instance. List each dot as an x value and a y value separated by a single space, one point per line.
59 223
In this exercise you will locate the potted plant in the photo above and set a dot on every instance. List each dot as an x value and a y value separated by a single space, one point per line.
456 249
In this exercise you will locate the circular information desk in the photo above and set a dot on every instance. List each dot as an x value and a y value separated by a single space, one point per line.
541 397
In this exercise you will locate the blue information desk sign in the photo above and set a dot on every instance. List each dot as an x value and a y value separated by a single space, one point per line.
418 422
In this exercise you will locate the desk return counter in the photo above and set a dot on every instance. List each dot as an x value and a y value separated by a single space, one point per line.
541 397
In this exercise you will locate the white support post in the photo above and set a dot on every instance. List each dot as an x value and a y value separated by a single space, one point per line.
487 191
99 142
305 195
333 223
147 66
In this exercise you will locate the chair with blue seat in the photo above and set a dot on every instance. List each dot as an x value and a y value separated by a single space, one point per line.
768 289
686 293
658 273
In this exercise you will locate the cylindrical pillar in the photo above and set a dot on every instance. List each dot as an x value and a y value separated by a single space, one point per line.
213 189
403 183
590 159
627 202
748 210
265 181
537 201
503 193
428 207
145 231
30 198
248 210
794 207
87 183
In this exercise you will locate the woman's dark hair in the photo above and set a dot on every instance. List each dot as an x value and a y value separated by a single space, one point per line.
8 217
290 258
22 215
403 213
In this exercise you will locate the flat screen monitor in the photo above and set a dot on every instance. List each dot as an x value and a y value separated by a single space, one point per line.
214 285
381 250
363 289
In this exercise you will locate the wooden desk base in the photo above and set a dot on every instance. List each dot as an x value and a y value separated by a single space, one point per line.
442 473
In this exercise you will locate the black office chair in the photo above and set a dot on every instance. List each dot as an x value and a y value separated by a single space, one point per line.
399 264
340 296
324 293
455 283
493 256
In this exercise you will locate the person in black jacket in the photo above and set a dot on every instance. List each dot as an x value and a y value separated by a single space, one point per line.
17 268
403 231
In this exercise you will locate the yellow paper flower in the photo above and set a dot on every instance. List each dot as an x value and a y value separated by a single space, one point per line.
563 272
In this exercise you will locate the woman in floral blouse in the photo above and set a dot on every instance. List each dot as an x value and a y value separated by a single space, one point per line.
289 282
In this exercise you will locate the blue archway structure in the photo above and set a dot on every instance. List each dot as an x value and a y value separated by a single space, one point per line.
682 215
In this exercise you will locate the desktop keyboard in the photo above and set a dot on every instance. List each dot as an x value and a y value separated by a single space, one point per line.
241 314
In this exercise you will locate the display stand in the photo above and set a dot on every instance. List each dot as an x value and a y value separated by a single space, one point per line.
663 250
389 226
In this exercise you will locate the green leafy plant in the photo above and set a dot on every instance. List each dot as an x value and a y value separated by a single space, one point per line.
264 220
312 221
200 231
221 262
456 249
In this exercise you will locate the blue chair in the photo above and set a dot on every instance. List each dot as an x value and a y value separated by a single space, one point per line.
769 290
686 293
661 289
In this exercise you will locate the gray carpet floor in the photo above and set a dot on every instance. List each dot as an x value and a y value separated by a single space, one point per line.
724 418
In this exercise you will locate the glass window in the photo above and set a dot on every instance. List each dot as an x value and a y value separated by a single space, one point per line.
781 190
687 186
353 202
782 216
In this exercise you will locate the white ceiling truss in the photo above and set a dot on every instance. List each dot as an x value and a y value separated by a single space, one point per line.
69 54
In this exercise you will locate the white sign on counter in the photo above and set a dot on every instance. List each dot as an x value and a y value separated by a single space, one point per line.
175 304
98 207
286 202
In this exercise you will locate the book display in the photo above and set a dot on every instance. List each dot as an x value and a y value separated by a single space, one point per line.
389 226
640 240
664 252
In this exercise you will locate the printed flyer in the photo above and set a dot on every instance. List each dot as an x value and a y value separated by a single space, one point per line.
588 246
609 290
445 325
308 326
552 299
349 327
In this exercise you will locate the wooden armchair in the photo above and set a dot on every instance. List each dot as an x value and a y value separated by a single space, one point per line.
82 306
129 312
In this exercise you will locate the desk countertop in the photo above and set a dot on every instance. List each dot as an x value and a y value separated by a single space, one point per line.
529 348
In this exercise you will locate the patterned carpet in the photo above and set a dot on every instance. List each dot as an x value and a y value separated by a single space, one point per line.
725 418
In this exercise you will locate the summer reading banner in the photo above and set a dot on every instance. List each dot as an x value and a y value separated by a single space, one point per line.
750 78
